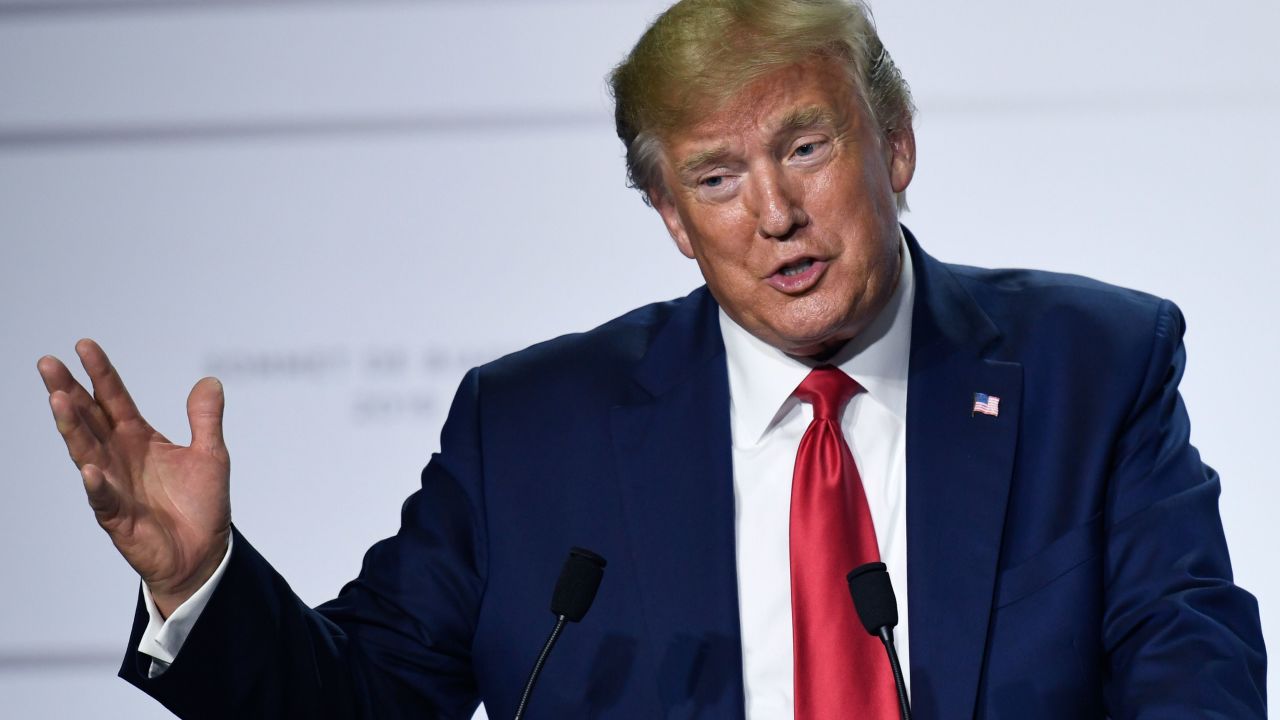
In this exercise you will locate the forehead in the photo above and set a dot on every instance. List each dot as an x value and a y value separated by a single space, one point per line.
818 87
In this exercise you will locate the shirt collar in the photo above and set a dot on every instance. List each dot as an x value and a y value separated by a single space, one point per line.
762 378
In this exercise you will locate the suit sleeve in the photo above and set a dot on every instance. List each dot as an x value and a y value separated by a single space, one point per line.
396 642
1182 639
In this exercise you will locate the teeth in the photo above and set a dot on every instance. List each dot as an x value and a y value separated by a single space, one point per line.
792 270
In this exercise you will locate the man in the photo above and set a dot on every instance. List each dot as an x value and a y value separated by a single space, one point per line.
833 396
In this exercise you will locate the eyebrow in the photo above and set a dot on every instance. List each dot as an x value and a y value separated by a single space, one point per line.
805 118
703 158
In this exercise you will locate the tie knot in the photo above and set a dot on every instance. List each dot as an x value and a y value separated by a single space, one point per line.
827 389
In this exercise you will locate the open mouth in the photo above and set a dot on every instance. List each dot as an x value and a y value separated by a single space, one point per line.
797 277
796 268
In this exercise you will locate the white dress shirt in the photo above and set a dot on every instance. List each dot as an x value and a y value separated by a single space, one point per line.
767 424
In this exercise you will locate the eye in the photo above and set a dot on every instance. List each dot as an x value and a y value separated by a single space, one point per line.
718 184
813 150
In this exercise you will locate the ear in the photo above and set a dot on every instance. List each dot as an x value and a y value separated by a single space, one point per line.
902 157
662 201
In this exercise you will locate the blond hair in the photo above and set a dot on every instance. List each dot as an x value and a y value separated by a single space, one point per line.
700 53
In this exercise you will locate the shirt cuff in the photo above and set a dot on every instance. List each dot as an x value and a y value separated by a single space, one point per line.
163 637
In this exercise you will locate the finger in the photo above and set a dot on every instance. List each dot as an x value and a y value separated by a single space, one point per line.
57 377
103 498
204 411
108 388
82 444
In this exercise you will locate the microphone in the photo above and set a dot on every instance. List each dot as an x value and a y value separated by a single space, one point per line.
878 610
575 591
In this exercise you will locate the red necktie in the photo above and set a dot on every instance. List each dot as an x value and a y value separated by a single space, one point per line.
840 670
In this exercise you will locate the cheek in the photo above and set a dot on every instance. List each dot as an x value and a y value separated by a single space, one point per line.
723 242
877 185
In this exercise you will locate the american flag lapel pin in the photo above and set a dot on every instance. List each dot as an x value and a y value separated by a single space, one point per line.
985 404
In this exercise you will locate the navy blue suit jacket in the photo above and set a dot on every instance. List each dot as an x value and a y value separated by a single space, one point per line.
1066 557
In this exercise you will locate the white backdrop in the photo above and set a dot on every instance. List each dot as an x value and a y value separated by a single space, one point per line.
339 207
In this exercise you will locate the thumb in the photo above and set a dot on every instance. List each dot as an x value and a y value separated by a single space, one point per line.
204 412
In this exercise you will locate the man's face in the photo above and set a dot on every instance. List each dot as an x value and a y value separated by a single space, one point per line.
785 197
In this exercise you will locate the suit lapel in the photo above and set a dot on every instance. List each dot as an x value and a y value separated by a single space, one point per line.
959 466
672 449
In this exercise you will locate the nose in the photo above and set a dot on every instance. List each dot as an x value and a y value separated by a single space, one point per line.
778 205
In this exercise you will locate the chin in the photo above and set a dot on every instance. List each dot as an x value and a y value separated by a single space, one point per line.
811 340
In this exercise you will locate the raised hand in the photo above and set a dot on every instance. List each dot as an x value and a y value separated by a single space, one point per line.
166 507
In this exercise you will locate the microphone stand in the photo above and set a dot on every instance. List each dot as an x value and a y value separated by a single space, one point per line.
537 665
904 705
